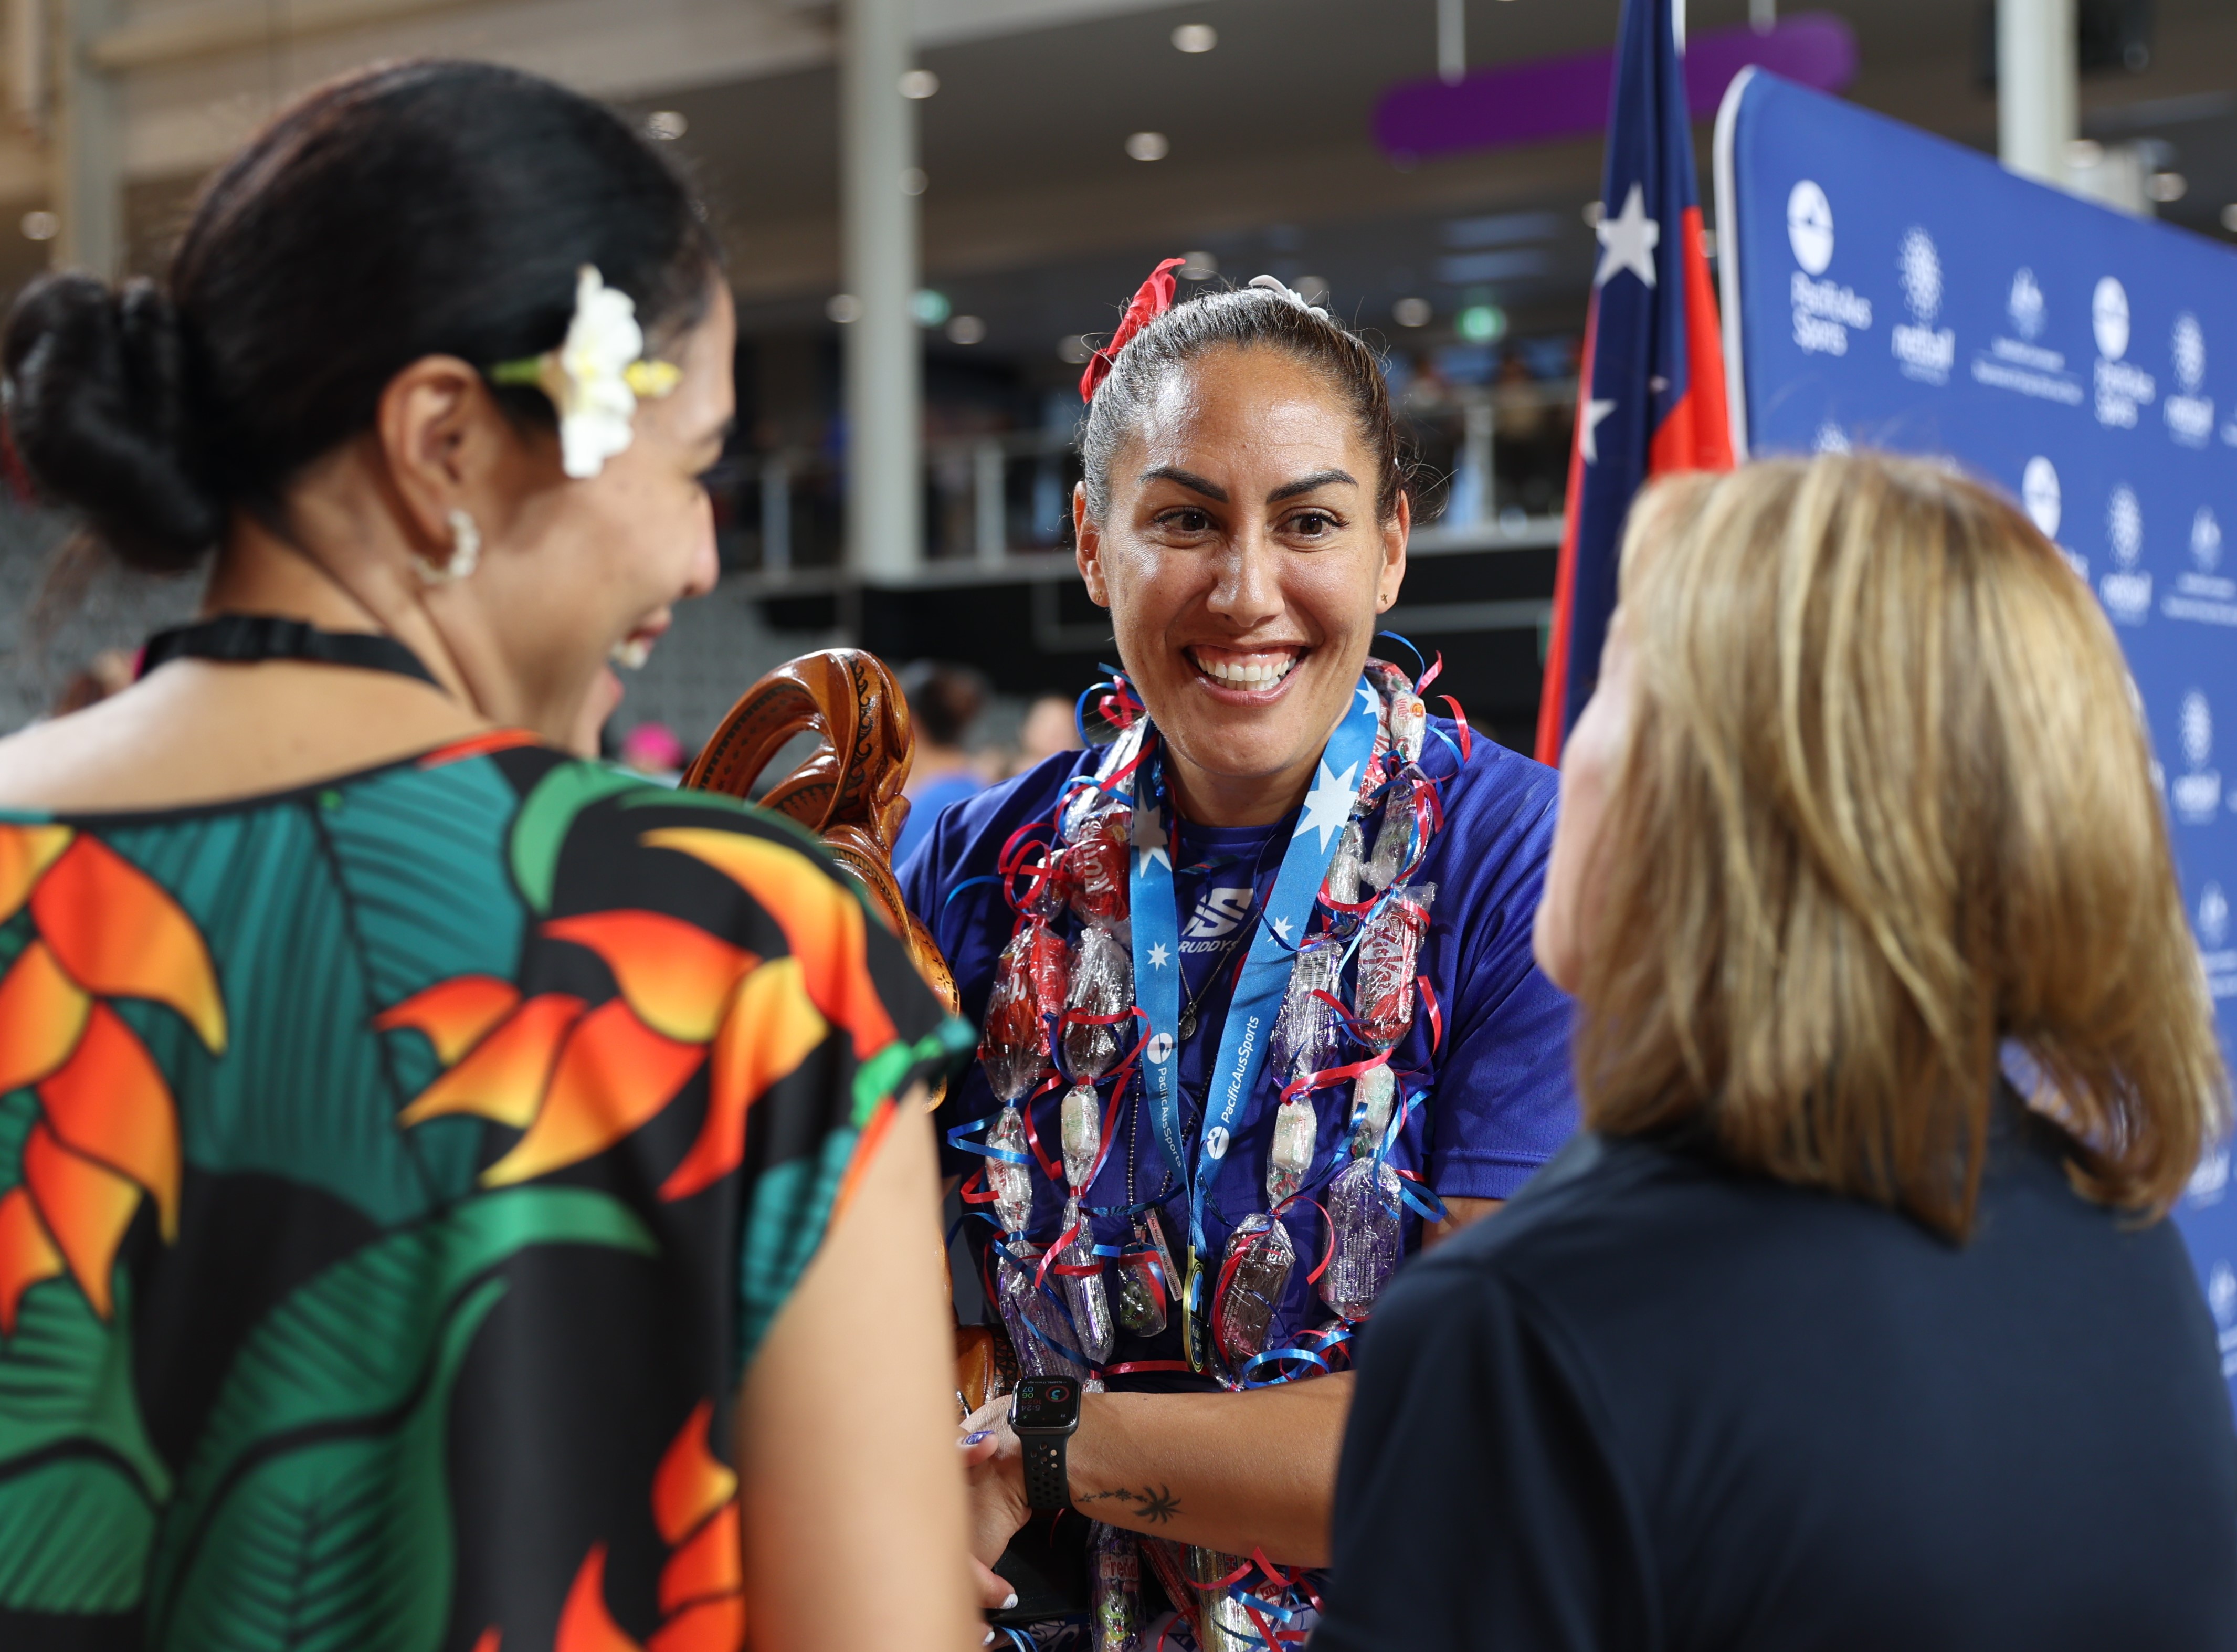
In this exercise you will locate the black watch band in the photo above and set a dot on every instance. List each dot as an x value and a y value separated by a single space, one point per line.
1048 1485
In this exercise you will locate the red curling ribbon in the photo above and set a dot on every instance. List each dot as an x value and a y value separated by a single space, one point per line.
1152 299
1459 716
1126 1368
1436 1016
1431 675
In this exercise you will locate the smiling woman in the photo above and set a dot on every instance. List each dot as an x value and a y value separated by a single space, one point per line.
1304 1065
437 1173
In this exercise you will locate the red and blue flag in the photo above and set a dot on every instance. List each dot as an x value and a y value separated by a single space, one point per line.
1651 396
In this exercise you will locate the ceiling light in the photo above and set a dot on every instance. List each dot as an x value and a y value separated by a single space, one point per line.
913 181
1195 37
966 329
1480 323
1074 348
843 308
1148 146
1412 312
666 124
919 83
2164 187
930 306
1590 213
1199 266
41 225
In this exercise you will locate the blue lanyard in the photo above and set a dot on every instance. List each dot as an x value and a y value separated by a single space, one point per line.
1266 967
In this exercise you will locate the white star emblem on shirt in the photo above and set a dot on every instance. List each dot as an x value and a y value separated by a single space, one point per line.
1159 957
1328 805
1588 426
1150 838
1628 240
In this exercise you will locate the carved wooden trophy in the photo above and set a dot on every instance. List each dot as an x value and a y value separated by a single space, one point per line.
848 792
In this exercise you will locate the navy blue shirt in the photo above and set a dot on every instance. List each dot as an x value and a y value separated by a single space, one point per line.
1659 1404
1499 1099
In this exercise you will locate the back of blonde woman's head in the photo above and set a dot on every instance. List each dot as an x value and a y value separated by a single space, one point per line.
1887 804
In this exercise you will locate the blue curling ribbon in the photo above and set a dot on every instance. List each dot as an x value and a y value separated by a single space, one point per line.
955 1139
1422 664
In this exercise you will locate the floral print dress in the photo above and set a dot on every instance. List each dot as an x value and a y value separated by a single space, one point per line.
396 1177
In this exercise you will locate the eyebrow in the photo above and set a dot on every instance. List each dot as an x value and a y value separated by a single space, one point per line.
1212 489
1307 483
1188 479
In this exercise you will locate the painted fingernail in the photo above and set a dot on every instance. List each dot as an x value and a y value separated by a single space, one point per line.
1011 1604
974 1439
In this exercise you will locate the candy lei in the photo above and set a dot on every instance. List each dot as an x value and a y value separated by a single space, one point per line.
1064 1015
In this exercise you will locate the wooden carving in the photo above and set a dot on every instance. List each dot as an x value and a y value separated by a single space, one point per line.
848 791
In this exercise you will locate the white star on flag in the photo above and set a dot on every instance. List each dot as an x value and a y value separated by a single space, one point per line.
1628 240
1150 838
1588 431
1159 957
1282 927
1368 702
1328 803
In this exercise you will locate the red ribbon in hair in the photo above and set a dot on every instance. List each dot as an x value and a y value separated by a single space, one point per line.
1152 299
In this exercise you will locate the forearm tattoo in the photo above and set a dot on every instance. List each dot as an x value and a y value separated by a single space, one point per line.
1157 1507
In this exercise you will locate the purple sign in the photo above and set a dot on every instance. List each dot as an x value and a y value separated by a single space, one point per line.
1560 98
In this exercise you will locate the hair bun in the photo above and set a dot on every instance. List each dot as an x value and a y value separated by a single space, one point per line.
98 409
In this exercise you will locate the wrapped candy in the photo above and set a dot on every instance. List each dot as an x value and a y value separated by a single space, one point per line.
1011 1183
1102 984
1013 1048
1227 1627
1083 1295
1036 1326
1094 870
1147 1284
1254 1276
1083 1135
1114 1567
1292 1151
1409 724
1363 1211
1342 883
1048 966
1373 1094
1394 838
1384 1002
1304 1032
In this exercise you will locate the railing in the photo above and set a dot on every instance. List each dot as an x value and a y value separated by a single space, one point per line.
999 507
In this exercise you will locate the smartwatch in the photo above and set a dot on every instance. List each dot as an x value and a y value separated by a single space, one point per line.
1044 1413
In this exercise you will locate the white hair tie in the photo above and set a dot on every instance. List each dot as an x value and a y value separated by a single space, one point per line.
1283 290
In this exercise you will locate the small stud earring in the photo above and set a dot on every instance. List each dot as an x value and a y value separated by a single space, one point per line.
465 553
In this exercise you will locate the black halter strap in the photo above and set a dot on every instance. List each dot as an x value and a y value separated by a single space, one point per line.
243 639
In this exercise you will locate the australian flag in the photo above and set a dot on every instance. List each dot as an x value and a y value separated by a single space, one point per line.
1652 389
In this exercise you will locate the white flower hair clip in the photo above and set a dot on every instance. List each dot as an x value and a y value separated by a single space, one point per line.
1282 290
596 376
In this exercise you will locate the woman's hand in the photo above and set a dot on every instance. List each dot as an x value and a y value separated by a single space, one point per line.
996 1470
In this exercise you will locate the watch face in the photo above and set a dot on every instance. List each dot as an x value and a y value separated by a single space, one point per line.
1044 1402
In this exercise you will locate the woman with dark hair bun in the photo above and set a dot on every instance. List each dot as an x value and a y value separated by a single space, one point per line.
451 1195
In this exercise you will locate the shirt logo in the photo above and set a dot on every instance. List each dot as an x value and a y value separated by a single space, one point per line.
1218 913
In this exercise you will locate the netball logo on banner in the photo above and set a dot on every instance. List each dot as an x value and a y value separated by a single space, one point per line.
2189 415
1922 351
2126 591
2198 794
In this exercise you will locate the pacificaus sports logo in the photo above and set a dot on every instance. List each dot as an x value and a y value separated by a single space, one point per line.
1825 311
2122 386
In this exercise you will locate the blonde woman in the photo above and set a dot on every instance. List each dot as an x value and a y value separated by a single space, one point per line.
1824 1336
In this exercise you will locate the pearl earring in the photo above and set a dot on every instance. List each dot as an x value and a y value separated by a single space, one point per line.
465 553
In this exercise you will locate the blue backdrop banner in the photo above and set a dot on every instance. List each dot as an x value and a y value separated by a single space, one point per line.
1884 287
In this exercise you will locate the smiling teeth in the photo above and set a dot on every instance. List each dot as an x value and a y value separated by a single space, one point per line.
1248 673
631 652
